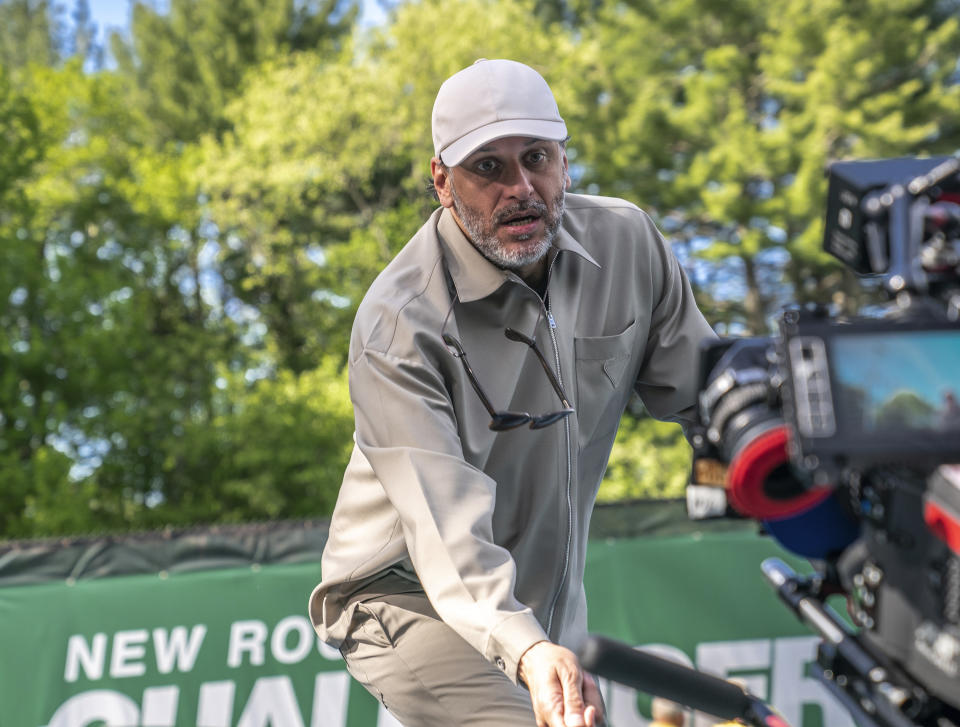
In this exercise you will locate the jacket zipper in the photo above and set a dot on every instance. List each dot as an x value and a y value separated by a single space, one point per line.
566 426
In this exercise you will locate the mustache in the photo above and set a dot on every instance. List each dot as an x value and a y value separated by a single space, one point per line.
532 206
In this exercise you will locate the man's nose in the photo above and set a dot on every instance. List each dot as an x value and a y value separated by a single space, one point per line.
517 182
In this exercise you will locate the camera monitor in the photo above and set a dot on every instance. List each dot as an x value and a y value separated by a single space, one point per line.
874 392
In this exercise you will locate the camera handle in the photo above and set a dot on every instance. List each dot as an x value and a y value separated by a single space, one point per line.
661 677
904 206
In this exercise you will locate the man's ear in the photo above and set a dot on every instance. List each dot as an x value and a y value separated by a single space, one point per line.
441 182
567 181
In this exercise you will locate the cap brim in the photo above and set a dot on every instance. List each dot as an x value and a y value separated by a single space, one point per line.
534 128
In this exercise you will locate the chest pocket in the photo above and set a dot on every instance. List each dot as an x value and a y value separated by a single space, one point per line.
602 364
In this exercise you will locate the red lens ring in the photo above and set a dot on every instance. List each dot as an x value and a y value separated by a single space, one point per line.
750 469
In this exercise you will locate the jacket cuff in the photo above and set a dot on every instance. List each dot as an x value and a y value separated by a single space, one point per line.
510 639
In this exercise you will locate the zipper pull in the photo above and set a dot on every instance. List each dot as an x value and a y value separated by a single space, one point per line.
553 323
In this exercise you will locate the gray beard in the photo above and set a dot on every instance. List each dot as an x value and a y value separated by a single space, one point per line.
483 236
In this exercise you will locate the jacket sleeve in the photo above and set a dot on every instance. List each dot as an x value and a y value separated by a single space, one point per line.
407 430
667 380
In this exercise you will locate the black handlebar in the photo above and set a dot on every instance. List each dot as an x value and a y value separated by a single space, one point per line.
655 675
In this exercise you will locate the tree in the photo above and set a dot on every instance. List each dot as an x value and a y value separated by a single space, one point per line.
29 33
723 116
87 288
186 238
34 32
31 466
121 341
185 64
649 459
83 41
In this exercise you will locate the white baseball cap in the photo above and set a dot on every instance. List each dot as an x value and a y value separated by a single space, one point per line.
490 100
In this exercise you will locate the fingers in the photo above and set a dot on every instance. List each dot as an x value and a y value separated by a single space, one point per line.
594 700
573 705
590 716
549 704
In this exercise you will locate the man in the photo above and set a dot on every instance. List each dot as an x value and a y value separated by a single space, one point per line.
490 363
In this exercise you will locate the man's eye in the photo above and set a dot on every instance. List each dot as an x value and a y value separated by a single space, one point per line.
485 166
537 157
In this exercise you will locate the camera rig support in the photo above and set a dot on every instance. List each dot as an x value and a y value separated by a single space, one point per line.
876 695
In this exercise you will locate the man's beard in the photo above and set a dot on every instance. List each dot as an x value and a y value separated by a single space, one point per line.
483 233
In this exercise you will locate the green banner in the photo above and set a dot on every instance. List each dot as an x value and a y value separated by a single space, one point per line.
234 648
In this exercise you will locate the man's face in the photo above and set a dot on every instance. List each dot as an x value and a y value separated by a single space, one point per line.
508 198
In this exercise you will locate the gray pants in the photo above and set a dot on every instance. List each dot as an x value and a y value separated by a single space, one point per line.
424 673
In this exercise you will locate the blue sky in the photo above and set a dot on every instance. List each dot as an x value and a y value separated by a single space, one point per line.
115 14
110 13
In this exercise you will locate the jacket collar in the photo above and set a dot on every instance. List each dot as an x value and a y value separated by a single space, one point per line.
475 277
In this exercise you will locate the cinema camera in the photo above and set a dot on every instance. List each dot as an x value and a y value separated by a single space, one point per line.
838 435
841 437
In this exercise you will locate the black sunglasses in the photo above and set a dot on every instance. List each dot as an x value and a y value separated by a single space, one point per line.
503 420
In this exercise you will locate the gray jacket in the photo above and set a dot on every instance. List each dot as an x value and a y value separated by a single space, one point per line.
493 525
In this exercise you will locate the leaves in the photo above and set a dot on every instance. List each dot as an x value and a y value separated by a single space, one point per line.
649 459
186 236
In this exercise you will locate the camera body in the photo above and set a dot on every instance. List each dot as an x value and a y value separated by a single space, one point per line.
838 435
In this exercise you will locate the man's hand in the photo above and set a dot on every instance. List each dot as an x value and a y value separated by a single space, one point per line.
562 695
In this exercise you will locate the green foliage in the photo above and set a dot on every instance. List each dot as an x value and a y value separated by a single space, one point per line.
721 117
302 424
115 349
35 32
274 448
85 278
186 237
649 459
21 145
28 33
184 65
